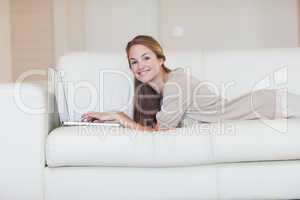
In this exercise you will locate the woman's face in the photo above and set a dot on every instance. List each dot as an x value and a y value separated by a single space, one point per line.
144 63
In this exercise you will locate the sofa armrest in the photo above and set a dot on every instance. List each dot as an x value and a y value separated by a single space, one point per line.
25 122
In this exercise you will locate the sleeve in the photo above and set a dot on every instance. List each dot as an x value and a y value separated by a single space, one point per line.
176 100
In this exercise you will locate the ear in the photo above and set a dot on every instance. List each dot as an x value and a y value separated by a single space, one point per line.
161 61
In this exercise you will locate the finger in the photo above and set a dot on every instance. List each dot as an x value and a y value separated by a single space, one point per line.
84 115
91 119
86 118
83 118
92 114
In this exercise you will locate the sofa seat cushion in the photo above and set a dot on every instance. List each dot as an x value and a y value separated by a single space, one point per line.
231 141
116 146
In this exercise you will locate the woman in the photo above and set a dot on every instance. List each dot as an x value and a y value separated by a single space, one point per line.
178 97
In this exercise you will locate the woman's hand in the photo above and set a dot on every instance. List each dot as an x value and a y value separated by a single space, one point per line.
99 116
121 117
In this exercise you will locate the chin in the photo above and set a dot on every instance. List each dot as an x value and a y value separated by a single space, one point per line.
146 79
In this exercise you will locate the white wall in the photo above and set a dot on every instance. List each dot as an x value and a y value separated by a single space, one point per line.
69 26
230 24
5 49
102 25
110 24
107 25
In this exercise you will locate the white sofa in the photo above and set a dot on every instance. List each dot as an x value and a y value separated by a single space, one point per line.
255 159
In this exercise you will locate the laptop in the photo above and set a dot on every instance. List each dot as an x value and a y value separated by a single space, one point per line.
68 122
80 123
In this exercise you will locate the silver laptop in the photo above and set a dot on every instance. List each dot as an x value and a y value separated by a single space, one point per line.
80 123
68 122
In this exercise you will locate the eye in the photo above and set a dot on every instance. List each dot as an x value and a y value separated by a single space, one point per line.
146 58
133 63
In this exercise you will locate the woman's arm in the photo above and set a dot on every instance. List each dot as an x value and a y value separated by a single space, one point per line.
129 123
121 117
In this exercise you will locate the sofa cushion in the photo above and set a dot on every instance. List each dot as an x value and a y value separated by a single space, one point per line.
258 140
115 146
231 141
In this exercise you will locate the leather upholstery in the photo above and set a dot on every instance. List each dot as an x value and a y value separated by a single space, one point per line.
247 70
24 127
101 82
230 73
232 141
260 160
247 180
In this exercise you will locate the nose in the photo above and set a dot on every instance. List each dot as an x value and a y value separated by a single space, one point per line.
140 65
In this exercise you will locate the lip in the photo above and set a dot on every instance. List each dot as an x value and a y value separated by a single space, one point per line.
143 72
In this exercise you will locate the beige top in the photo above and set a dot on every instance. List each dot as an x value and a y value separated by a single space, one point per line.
187 98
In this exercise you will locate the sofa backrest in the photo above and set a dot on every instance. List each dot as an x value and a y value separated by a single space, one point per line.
94 82
103 82
246 70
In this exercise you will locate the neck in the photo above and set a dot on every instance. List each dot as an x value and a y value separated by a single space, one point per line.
159 81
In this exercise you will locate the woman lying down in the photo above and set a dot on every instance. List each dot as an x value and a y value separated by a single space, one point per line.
178 97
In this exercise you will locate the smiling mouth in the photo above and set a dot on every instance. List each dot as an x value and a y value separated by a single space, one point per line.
142 73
